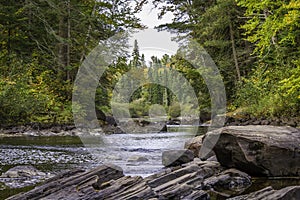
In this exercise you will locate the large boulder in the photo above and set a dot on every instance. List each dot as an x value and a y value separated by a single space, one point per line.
176 157
258 150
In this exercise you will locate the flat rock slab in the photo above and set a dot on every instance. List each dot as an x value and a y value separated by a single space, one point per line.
108 182
258 150
268 193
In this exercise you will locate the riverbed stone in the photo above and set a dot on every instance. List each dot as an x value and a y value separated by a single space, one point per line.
177 157
258 150
137 159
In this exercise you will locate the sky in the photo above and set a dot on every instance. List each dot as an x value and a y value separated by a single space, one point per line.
150 41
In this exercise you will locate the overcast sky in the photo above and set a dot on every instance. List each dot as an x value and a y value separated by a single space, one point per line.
150 41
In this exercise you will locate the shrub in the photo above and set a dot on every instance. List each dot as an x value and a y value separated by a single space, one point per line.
174 110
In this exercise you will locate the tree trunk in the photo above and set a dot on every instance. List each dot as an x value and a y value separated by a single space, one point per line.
234 52
64 35
88 35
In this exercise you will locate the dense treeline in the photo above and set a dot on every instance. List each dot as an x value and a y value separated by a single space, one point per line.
255 45
42 45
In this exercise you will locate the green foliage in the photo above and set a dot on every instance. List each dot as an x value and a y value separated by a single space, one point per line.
272 24
273 88
138 108
42 45
271 92
255 45
174 110
216 26
157 110
27 97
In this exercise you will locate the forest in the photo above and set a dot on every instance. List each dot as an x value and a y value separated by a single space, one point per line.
254 43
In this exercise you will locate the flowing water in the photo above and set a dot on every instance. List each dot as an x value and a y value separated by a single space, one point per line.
56 153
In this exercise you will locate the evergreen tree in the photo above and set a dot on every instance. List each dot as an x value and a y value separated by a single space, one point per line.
136 58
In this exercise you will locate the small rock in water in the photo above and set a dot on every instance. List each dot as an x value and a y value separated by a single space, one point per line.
177 157
137 159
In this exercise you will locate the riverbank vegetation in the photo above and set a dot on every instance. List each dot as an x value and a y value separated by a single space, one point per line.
255 45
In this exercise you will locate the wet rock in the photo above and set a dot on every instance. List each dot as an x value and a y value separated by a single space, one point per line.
183 182
22 171
137 159
176 157
112 129
164 129
111 121
165 178
197 195
268 193
21 176
189 181
173 122
74 184
100 115
142 126
258 150
205 116
229 182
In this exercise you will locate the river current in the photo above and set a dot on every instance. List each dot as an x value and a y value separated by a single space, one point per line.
58 153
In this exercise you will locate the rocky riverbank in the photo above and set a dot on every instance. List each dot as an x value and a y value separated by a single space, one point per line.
37 129
110 126
244 120
55 130
239 153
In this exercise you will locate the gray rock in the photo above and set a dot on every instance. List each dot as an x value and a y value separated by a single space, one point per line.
229 182
74 184
108 182
213 158
176 157
21 176
268 193
137 159
194 144
258 150
197 195
183 182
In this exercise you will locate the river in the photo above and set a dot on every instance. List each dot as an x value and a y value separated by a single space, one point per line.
54 154
57 153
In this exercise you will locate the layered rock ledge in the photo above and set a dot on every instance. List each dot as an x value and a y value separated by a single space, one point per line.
189 181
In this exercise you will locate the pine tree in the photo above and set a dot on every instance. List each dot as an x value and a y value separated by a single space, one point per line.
136 58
